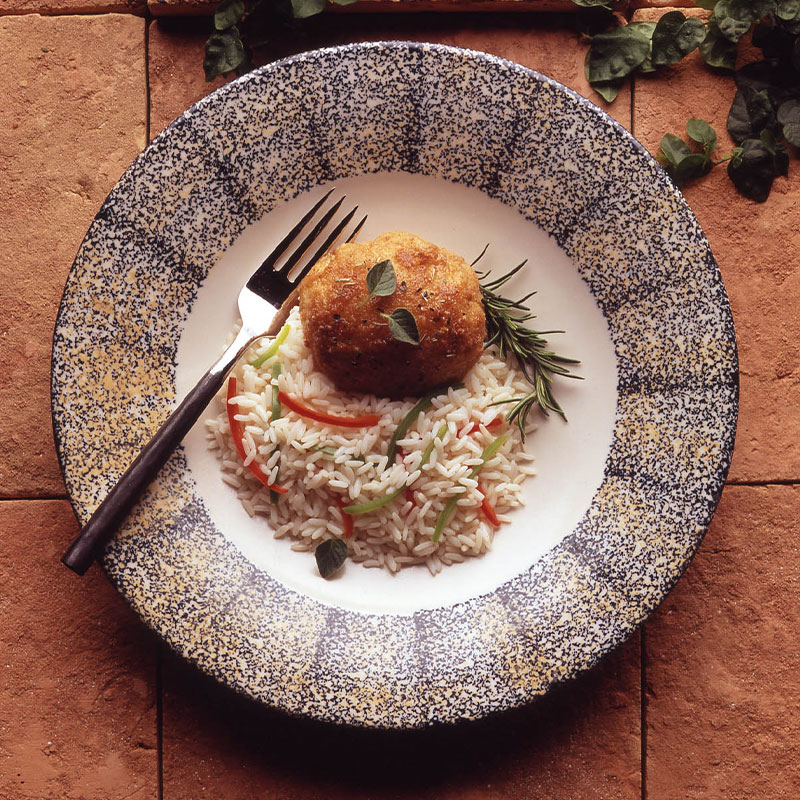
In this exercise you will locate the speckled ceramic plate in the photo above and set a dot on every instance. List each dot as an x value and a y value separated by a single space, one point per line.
462 148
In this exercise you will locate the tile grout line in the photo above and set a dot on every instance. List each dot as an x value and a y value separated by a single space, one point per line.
643 711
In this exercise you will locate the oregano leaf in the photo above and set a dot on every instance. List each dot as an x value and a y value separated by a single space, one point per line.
301 9
675 36
753 170
228 14
403 326
717 51
615 54
734 18
224 53
330 556
787 9
608 90
702 133
674 148
789 118
381 280
751 112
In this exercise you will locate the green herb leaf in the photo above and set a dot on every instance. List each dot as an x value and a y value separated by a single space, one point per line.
301 9
706 4
343 2
505 327
789 118
753 169
734 18
702 133
751 113
674 148
616 54
228 14
787 9
609 90
381 280
593 3
675 36
224 53
717 51
403 326
330 555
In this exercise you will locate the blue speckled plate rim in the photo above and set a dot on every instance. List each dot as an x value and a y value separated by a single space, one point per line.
727 449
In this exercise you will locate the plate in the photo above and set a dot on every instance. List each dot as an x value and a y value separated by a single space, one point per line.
462 148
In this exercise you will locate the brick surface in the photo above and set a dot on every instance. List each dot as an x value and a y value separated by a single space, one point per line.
71 6
755 246
71 120
582 741
723 664
550 46
77 707
168 8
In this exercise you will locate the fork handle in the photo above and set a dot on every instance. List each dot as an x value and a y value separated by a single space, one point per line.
121 498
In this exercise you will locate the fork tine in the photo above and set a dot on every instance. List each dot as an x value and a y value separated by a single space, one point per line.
326 245
292 260
357 228
284 243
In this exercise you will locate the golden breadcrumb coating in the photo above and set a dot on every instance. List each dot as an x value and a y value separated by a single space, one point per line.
349 338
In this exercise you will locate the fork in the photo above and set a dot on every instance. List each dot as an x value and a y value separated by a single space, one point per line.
264 303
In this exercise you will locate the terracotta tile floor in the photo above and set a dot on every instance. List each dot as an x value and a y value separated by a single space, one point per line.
702 704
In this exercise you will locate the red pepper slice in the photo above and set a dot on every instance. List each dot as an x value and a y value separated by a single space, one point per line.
347 519
238 435
329 419
488 510
409 495
472 427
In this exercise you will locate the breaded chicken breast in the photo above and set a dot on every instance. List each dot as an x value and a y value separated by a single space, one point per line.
351 342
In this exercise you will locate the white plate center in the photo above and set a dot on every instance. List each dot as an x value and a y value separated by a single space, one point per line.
570 457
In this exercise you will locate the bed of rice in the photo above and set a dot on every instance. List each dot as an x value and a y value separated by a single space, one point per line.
400 533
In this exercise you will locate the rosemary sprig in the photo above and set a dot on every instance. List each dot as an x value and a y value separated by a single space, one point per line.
505 327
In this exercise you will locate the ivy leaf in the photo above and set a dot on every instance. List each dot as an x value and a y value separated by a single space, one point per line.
752 170
615 54
229 12
675 36
717 51
751 113
702 133
734 18
224 53
789 118
403 326
330 555
381 280
301 9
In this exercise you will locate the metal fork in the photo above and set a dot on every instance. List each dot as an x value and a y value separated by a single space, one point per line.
264 303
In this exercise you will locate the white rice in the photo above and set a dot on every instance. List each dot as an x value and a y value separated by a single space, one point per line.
400 533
